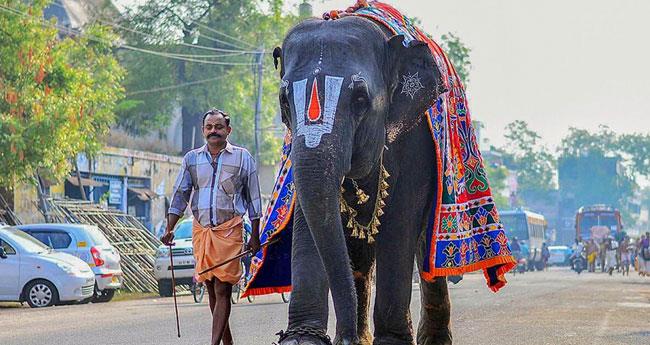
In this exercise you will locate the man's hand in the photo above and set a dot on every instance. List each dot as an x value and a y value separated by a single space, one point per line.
167 238
254 244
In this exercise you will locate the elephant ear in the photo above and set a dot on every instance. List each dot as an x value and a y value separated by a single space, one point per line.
415 81
277 59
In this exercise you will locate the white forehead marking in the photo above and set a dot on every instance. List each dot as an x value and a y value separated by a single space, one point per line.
313 132
355 78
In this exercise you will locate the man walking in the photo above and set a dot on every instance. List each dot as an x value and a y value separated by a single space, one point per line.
222 181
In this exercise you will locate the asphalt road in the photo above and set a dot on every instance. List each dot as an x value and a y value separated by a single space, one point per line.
553 307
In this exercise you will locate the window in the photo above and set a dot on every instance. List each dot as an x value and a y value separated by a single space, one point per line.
96 236
53 239
9 250
183 230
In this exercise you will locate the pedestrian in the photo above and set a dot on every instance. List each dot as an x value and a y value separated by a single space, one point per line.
611 247
626 250
592 254
643 254
545 254
602 254
221 180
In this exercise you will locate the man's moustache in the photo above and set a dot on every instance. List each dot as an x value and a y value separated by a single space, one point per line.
213 135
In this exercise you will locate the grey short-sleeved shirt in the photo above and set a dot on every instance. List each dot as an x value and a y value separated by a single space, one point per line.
220 191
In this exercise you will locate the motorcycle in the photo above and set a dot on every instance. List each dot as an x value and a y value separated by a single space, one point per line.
522 263
579 263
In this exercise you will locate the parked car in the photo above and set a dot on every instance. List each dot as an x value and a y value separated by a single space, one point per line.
559 255
31 271
89 244
183 260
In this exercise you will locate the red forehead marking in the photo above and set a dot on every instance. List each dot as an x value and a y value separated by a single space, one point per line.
314 111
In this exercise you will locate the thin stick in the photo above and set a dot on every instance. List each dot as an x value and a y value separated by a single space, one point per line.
244 253
171 260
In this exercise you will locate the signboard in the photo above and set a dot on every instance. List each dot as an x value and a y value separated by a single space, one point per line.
115 192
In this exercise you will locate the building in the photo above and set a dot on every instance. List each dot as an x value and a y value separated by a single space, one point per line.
136 182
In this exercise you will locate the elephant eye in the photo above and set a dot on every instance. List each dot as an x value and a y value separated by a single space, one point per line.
360 100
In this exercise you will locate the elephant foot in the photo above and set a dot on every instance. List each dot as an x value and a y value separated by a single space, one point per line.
304 336
365 338
303 340
440 338
392 341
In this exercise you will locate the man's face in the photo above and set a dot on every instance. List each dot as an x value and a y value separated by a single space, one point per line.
215 130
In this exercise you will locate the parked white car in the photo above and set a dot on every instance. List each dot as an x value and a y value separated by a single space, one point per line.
30 271
89 244
183 260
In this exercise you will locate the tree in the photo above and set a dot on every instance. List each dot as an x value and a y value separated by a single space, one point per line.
632 151
211 50
458 53
534 163
497 175
58 95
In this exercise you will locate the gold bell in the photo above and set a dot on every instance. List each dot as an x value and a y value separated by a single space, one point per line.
363 197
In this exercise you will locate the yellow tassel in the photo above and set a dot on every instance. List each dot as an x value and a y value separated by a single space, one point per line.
380 212
384 194
354 233
384 185
362 235
382 203
350 223
377 222
371 239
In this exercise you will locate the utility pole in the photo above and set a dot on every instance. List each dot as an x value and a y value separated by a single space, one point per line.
258 104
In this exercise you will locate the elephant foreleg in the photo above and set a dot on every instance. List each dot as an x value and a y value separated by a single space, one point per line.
435 310
308 308
395 253
362 256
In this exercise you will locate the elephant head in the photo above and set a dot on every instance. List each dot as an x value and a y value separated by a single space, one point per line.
344 83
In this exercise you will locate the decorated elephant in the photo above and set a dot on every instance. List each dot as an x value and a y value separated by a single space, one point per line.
383 170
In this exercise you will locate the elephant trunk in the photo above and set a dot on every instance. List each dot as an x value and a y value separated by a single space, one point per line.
318 173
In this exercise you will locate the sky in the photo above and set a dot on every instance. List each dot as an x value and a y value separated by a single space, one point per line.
552 63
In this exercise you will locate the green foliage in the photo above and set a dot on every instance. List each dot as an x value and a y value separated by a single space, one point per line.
57 94
458 53
632 149
497 175
182 27
534 163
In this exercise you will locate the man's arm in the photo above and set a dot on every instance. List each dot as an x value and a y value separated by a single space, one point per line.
254 203
180 199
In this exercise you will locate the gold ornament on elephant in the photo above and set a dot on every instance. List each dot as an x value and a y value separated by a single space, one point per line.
370 230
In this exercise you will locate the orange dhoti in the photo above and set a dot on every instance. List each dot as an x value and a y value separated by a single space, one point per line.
213 245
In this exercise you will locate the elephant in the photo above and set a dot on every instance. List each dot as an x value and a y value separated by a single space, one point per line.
353 96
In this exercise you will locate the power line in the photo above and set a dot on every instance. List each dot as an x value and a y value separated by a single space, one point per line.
223 50
171 87
126 46
225 35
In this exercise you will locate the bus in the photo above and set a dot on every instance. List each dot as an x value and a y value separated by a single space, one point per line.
530 229
598 222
